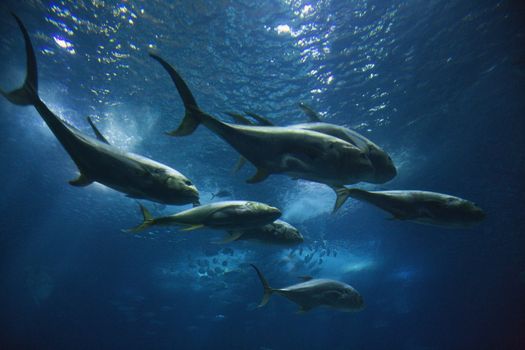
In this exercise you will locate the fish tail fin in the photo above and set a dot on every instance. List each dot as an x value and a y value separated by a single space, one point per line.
27 94
342 195
193 115
267 289
146 222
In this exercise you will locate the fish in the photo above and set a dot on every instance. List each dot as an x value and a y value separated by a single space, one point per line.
384 168
97 160
221 194
277 232
227 215
422 207
315 292
295 152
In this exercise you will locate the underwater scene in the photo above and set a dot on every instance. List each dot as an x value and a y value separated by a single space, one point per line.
267 175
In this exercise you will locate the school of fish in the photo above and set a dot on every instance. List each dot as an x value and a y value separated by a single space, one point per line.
315 151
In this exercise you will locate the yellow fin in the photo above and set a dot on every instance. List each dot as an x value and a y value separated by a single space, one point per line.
148 220
193 227
342 195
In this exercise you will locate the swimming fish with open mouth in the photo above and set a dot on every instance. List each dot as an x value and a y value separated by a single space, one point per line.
96 159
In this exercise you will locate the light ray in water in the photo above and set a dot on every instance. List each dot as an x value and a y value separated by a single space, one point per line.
306 201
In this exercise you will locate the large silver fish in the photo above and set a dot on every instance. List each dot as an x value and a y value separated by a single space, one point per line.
384 168
316 292
421 206
227 215
97 161
298 153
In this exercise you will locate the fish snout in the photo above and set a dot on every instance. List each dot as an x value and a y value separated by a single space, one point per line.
274 212
384 174
298 237
193 192
479 214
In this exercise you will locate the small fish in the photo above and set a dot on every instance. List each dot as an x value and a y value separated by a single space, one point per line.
221 194
315 292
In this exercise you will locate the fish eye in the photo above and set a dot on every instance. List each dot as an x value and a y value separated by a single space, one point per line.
187 182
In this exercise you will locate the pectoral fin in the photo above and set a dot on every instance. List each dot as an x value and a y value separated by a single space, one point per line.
259 176
303 309
424 212
192 227
81 181
342 195
294 163
306 278
232 236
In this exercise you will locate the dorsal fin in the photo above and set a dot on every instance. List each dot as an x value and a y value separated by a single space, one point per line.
260 119
306 278
97 132
239 119
312 115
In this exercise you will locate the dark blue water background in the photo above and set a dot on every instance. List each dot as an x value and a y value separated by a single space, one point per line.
438 84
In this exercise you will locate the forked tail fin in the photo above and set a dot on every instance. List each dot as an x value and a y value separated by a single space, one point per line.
267 289
147 220
193 115
28 93
342 194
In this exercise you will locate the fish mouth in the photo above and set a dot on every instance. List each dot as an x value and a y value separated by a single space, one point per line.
193 192
480 215
274 213
383 174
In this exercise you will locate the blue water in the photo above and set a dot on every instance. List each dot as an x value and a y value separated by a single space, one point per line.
438 84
